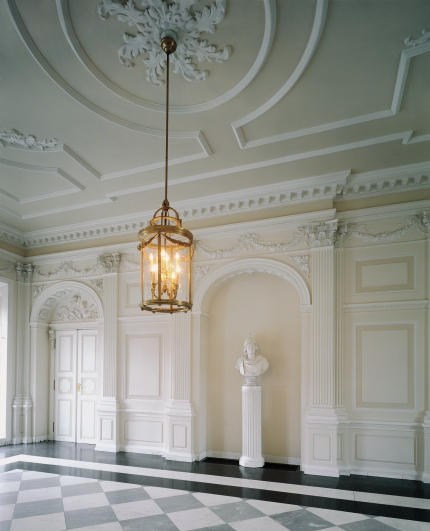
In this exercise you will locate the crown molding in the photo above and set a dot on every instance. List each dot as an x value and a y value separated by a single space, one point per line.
305 190
387 181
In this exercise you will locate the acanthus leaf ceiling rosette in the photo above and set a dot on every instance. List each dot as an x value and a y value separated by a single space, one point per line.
155 17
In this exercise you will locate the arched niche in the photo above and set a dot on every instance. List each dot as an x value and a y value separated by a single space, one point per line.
63 305
205 290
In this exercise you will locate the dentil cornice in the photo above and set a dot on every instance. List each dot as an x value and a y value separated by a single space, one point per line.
156 17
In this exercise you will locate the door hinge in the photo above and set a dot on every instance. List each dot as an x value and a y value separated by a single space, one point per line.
54 385
55 343
53 426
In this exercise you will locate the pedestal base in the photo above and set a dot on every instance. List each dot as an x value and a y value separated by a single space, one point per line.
251 463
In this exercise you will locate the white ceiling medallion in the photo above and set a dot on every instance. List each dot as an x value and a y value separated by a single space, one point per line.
18 140
156 18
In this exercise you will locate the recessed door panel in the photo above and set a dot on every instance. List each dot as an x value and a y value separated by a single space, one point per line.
65 388
87 386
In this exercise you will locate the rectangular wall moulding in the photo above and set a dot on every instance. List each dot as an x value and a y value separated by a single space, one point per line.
143 367
143 431
392 449
133 295
385 364
385 274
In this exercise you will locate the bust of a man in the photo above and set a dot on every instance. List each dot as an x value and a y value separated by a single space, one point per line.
251 363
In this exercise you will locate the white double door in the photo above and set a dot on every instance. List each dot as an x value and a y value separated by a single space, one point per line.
75 386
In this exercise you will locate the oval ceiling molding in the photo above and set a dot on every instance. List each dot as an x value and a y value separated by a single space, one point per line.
269 32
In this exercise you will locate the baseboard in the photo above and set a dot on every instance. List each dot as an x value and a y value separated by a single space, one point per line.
106 448
140 450
184 458
390 474
268 458
40 438
321 471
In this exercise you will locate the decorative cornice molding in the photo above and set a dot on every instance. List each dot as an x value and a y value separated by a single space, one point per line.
200 271
425 36
315 235
98 284
24 272
37 290
302 262
110 262
158 16
18 140
409 224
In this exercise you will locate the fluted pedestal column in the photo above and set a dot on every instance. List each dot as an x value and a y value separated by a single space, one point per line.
251 424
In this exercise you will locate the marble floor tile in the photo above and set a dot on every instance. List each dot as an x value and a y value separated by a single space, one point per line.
34 474
160 492
109 486
111 526
125 496
301 521
259 524
8 498
214 499
13 475
44 522
150 523
25 510
337 517
5 525
269 508
9 486
367 525
85 501
80 489
178 503
48 493
137 509
195 519
234 512
40 483
6 512
404 525
416 503
90 517
75 480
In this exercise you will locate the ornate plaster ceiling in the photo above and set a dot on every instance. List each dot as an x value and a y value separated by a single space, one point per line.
303 100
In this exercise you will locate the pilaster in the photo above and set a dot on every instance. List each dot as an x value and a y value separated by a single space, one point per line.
426 474
108 406
180 411
325 416
22 404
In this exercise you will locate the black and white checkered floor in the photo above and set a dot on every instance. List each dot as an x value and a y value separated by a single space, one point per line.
36 501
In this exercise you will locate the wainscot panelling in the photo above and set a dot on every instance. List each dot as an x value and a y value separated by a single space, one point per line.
385 364
129 294
387 450
386 272
142 432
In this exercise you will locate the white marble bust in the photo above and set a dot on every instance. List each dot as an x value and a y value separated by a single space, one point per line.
251 363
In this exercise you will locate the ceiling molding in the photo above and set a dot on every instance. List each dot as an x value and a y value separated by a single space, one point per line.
43 63
77 187
402 74
318 26
269 32
387 181
338 186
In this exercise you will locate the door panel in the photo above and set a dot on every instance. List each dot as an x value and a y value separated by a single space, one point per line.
87 394
65 389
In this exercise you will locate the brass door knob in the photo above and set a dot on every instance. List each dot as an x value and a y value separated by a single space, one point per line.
78 386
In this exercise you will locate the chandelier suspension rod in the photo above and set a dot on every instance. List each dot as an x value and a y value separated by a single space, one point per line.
166 202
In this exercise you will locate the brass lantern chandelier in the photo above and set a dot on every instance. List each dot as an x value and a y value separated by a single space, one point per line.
165 247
